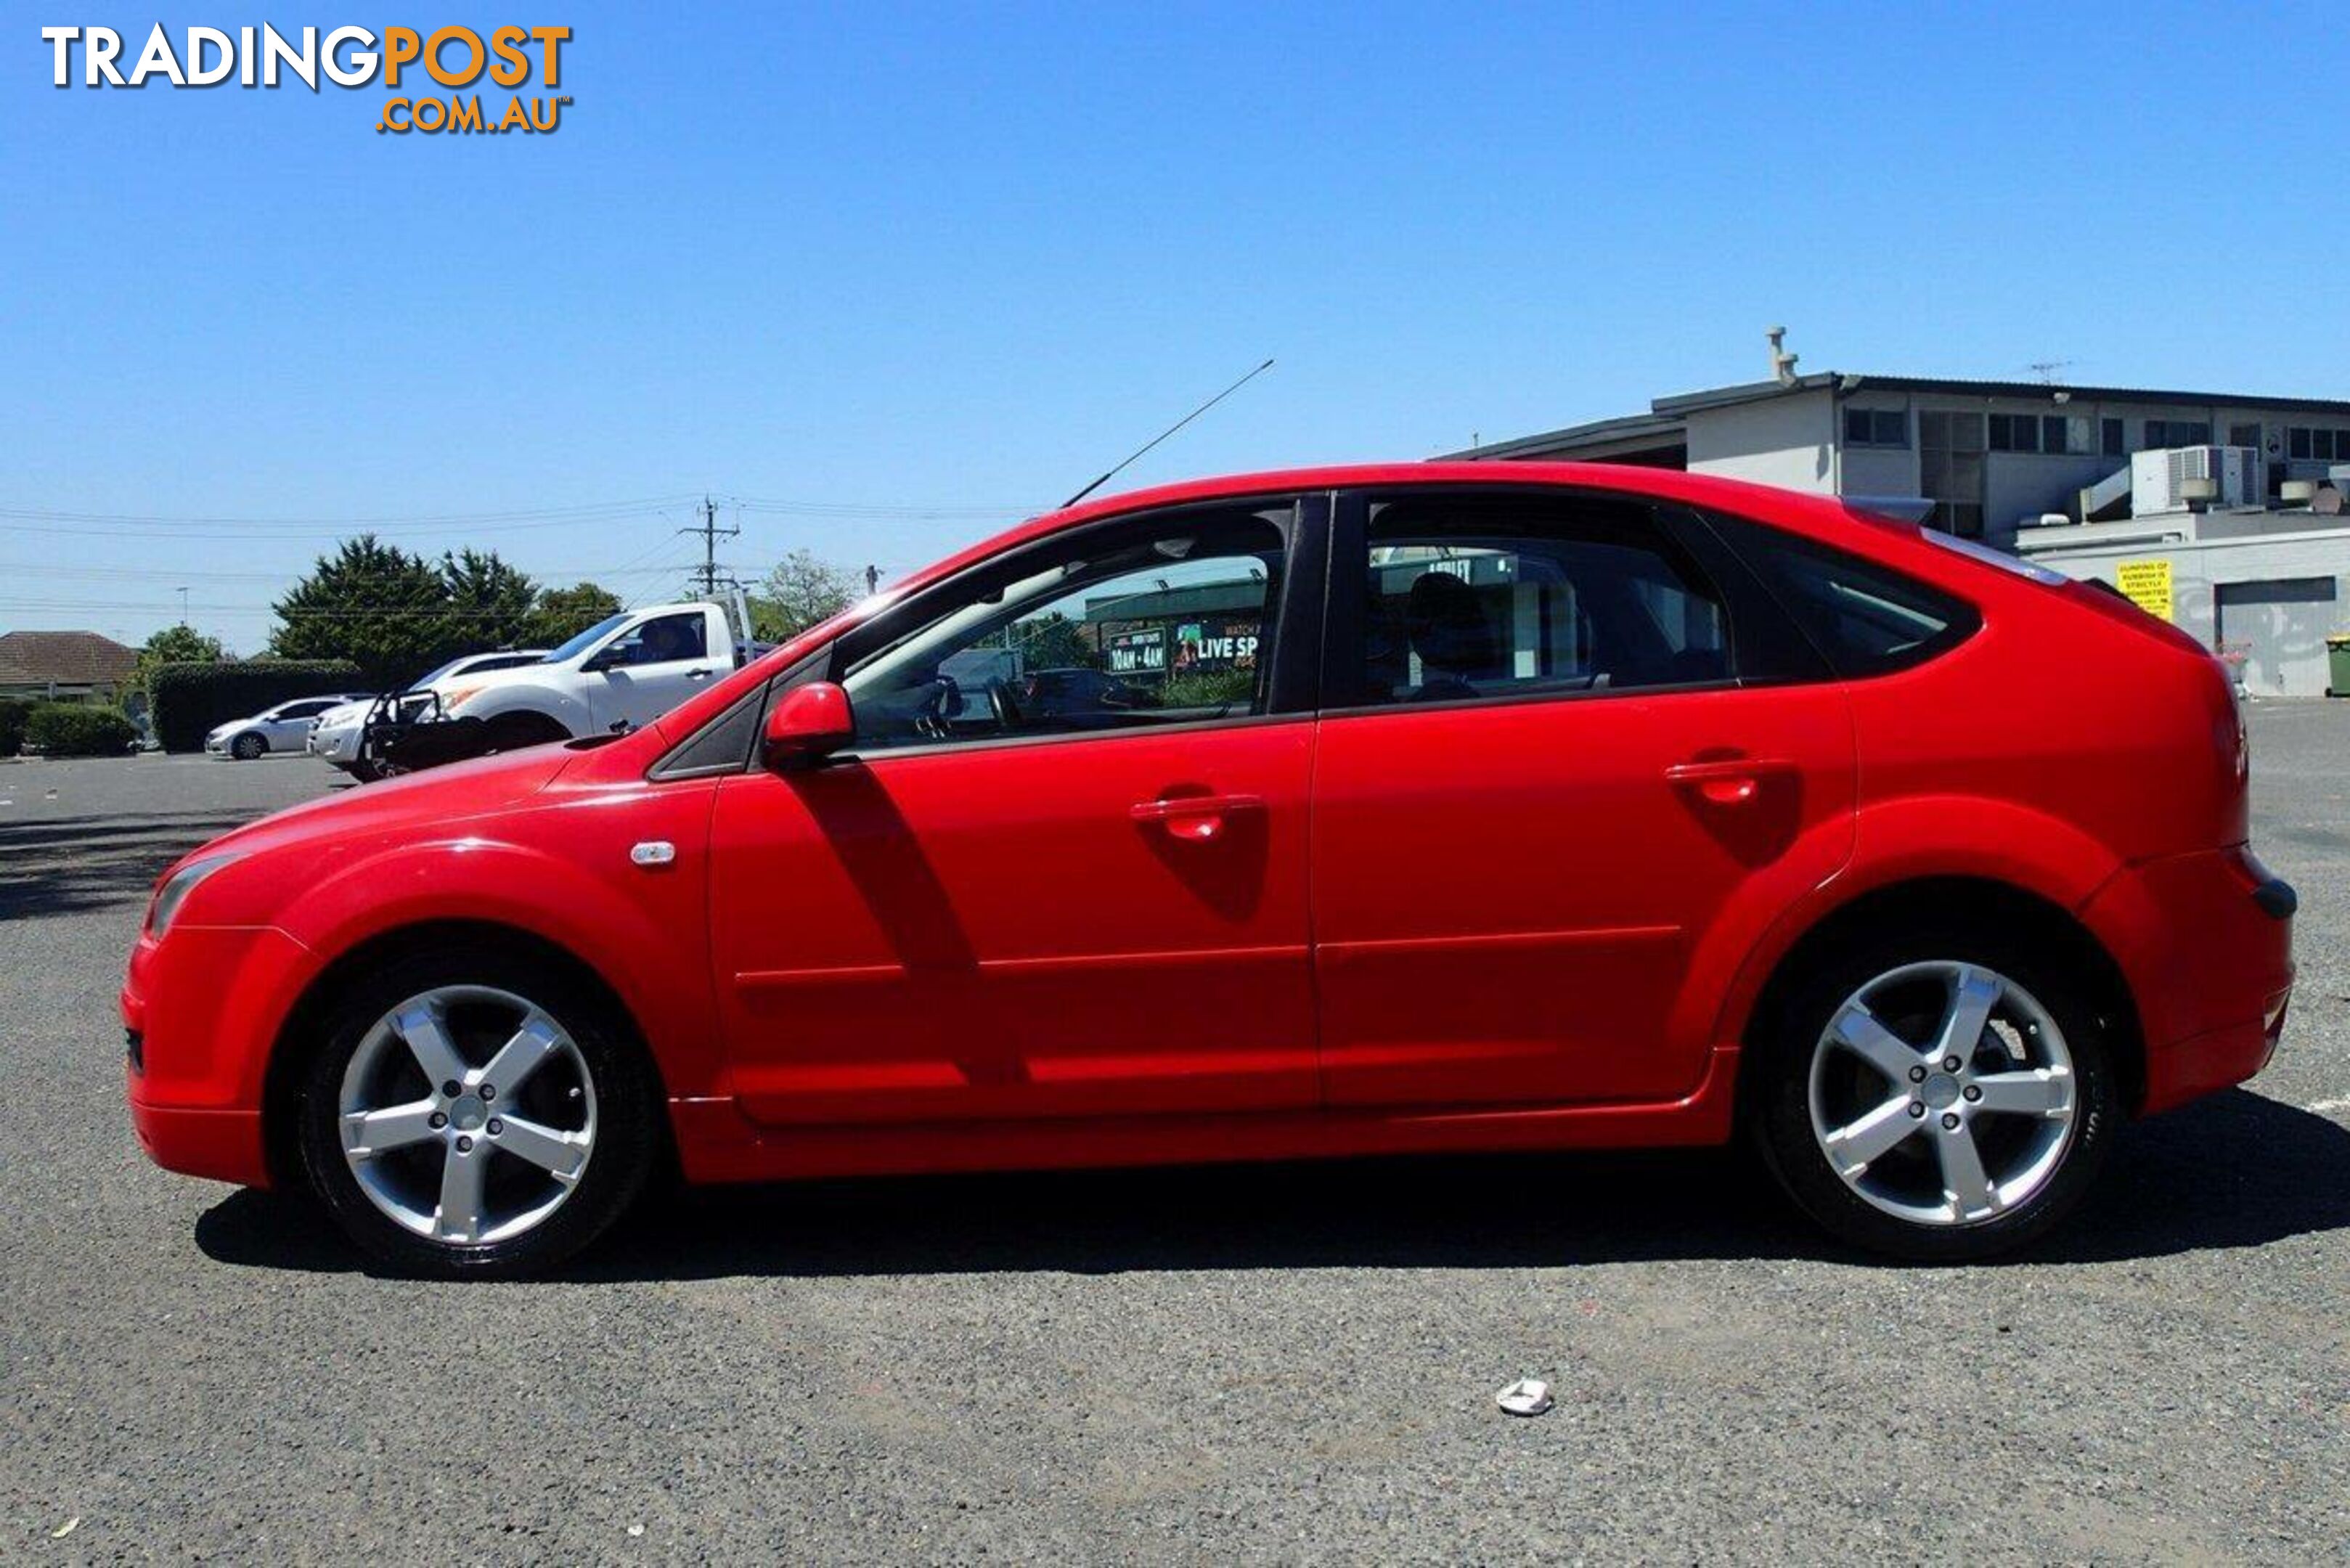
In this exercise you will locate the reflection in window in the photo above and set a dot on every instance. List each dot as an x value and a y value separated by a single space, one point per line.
1166 628
1472 598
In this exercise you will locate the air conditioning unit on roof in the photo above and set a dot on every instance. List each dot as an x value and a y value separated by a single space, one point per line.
2172 479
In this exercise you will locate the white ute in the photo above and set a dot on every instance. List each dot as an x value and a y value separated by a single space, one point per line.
620 673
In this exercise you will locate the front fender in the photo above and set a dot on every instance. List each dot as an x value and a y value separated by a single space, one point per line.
566 707
643 932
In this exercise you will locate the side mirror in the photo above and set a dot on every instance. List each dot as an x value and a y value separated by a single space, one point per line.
603 659
810 723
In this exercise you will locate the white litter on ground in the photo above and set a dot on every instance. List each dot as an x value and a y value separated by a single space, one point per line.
1526 1396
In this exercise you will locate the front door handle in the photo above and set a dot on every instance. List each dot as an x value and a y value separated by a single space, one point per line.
1729 781
700 674
1195 818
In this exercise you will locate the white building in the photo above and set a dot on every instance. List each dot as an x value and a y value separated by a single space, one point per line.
2008 461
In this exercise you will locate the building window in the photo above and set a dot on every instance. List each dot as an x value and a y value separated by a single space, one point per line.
1876 426
2165 433
2111 441
1950 470
2309 443
2058 435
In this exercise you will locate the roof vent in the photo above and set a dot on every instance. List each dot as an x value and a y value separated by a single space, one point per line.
1782 364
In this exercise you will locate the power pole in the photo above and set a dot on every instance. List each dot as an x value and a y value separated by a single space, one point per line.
709 578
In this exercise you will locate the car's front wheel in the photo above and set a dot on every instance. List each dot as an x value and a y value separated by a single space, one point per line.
1941 1099
476 1116
248 748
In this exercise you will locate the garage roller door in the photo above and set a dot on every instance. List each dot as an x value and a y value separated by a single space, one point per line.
2282 624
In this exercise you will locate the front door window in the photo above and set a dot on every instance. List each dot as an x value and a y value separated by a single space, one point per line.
1171 629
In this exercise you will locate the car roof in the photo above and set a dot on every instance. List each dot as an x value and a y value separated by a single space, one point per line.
1822 515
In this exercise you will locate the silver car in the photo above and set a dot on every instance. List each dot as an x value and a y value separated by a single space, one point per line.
284 728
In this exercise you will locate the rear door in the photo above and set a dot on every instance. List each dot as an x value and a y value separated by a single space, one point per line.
1565 741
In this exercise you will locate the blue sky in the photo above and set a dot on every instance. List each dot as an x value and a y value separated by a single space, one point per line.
913 270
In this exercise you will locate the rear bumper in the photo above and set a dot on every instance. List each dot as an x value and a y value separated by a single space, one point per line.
2205 941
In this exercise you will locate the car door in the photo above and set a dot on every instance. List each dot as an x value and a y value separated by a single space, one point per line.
654 665
1567 748
289 725
980 910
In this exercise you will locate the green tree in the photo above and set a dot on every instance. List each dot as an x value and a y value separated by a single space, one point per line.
490 603
173 645
1054 642
382 607
562 614
801 591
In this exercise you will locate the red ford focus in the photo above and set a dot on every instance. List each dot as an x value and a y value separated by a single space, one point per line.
1404 808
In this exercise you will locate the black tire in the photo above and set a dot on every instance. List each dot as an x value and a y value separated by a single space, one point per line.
1779 1110
248 748
513 731
627 1096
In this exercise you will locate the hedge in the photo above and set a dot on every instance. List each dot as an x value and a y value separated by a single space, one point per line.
78 729
13 710
189 700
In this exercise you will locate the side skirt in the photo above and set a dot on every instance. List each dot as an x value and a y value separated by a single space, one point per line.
716 1142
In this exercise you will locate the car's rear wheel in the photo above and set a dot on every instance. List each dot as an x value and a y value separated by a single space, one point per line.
1941 1099
476 1116
248 748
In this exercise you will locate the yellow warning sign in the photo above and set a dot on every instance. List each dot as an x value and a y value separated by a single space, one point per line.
2146 584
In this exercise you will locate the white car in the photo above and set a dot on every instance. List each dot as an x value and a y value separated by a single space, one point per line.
285 728
620 673
336 737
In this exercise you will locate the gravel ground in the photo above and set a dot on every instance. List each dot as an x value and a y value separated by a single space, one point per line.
1277 1362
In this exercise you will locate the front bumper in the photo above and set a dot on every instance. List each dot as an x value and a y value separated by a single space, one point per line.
338 746
202 1010
2205 941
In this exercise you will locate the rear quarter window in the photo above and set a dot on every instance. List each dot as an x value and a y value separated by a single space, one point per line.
1865 618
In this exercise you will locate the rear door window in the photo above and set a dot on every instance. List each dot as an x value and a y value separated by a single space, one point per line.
1468 597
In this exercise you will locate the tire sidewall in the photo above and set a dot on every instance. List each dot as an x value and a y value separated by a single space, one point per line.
627 1109
1780 1109
248 748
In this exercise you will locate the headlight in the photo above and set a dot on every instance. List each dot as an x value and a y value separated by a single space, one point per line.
455 695
175 892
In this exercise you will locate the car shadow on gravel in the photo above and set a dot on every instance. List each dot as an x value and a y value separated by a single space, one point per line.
67 865
2278 1172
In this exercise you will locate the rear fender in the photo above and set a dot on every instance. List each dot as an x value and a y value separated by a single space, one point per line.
1922 838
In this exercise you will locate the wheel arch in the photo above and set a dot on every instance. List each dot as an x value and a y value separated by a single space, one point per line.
1996 905
300 1034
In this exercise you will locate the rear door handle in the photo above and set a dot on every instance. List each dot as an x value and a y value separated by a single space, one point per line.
1729 781
700 674
1195 818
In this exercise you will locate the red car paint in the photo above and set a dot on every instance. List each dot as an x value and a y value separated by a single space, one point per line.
1535 923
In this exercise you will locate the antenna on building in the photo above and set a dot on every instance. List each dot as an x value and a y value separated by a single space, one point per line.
1782 364
2049 371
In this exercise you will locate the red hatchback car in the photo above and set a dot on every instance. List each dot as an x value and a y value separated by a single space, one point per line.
1444 806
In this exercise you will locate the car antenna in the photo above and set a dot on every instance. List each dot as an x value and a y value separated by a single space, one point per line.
1170 431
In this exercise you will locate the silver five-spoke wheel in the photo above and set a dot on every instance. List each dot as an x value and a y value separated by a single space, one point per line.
467 1115
1943 1094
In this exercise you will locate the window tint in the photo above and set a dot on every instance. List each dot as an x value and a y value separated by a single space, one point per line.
1472 596
1866 619
307 709
1120 630
665 639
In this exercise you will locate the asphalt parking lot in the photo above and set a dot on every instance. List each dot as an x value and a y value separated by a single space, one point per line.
1281 1362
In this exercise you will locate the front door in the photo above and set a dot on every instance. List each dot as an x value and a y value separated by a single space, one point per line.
1062 870
652 667
1542 780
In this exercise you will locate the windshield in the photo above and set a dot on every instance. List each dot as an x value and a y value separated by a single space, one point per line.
585 639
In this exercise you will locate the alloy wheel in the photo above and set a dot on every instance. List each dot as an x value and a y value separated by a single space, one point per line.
467 1115
1943 1094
